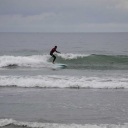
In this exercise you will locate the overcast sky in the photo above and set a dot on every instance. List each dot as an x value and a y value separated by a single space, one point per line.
63 15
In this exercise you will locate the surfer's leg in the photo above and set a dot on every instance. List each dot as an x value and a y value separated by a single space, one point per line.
54 58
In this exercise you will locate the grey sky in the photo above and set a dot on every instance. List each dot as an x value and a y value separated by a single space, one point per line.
63 15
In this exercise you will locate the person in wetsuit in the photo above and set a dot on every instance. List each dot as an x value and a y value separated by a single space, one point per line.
51 53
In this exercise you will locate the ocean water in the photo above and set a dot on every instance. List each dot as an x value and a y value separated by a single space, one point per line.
91 92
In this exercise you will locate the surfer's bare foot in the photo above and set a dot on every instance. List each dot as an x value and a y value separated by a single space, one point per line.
53 62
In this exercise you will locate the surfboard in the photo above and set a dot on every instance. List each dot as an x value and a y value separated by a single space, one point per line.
60 65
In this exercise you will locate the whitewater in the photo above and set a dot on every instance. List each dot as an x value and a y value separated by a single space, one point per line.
34 60
6 122
90 92
56 81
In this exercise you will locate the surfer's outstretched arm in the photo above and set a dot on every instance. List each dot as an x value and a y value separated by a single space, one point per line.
58 52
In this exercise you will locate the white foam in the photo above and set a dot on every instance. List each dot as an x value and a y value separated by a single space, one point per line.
72 56
34 61
55 81
24 61
5 122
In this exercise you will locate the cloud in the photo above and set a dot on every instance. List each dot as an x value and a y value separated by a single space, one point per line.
121 5
30 22
63 15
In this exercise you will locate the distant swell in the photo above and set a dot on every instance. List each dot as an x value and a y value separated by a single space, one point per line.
56 81
74 61
11 122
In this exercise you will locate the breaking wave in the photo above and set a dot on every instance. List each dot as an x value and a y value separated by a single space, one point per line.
74 61
56 81
11 122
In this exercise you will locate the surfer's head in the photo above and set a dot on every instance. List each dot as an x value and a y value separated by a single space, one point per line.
55 46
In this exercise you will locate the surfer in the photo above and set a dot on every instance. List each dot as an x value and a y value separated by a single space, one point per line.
51 53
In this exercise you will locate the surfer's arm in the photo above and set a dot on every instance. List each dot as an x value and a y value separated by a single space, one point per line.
58 52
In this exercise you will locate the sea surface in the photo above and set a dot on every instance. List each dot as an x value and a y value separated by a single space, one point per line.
91 92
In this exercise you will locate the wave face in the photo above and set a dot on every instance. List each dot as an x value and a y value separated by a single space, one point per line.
11 122
56 81
74 61
95 62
